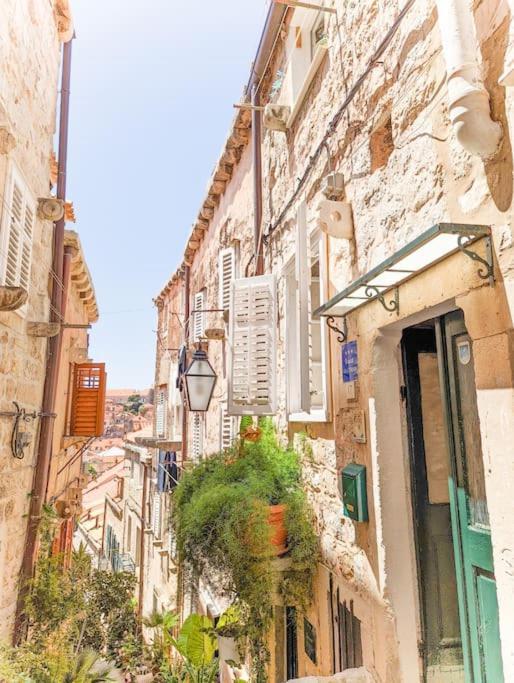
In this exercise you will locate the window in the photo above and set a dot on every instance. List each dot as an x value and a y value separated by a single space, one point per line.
306 339
17 232
175 403
350 641
309 640
138 546
252 356
227 273
306 46
197 437
198 316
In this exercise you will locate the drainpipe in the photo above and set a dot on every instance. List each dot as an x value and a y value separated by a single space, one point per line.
257 178
142 542
44 451
187 313
468 99
273 24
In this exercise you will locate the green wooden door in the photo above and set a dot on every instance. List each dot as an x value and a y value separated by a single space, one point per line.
476 585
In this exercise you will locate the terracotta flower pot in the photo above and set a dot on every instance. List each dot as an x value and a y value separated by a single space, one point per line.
276 520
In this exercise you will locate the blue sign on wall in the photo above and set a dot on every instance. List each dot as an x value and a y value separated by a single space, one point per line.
350 362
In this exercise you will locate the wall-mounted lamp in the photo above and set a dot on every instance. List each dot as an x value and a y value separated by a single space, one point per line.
199 382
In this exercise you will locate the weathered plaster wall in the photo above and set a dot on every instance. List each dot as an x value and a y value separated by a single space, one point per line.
29 64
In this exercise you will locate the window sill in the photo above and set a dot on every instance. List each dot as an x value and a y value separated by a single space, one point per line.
319 55
315 416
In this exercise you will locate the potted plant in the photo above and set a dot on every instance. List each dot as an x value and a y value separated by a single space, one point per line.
234 514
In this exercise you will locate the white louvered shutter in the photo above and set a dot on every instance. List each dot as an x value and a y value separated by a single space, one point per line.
156 515
253 329
303 284
160 415
197 437
19 229
227 428
227 273
198 316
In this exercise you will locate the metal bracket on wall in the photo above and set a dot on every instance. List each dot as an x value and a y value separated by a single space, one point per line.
342 335
306 5
487 271
373 292
20 439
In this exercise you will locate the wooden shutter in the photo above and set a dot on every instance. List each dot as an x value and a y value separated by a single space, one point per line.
19 222
156 515
198 316
88 401
227 273
160 414
227 428
252 367
303 283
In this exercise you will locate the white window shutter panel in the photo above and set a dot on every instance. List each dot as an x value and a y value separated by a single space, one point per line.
303 283
198 316
160 415
19 219
197 437
156 515
26 247
253 331
227 428
227 273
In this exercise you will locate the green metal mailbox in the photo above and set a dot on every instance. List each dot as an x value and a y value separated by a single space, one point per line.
355 498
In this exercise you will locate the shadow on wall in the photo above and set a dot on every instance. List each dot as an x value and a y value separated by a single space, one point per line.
499 169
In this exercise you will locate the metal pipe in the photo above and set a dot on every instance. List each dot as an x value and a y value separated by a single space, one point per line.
257 178
44 452
142 542
187 313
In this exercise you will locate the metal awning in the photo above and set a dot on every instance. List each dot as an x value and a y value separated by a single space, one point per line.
382 282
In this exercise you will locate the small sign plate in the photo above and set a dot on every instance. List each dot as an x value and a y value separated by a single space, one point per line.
350 362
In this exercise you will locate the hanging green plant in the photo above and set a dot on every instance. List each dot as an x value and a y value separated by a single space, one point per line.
234 515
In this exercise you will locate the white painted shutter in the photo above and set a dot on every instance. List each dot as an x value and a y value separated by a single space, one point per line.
160 415
227 429
156 515
197 437
198 316
253 326
303 283
19 226
227 273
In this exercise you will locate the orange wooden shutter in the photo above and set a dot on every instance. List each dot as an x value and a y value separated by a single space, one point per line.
88 402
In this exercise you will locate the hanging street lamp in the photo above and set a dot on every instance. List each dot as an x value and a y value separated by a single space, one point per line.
199 381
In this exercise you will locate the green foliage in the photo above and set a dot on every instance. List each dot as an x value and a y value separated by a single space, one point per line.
134 403
221 521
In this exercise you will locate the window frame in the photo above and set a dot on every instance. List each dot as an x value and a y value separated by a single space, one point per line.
300 369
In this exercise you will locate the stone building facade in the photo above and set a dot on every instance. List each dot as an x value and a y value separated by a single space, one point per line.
31 38
410 103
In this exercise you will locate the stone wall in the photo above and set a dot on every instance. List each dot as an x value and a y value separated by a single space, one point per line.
404 172
29 66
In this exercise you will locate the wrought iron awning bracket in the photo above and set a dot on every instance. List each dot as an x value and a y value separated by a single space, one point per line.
392 305
342 334
487 271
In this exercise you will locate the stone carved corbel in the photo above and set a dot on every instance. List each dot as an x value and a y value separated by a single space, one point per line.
12 298
64 20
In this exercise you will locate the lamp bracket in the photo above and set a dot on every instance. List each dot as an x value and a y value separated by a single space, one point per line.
486 271
392 305
342 334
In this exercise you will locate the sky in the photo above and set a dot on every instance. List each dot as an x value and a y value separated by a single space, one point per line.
153 84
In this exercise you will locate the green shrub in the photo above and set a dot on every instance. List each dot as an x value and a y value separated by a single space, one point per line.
220 516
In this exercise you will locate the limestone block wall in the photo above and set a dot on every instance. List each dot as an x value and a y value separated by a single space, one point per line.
404 171
29 66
